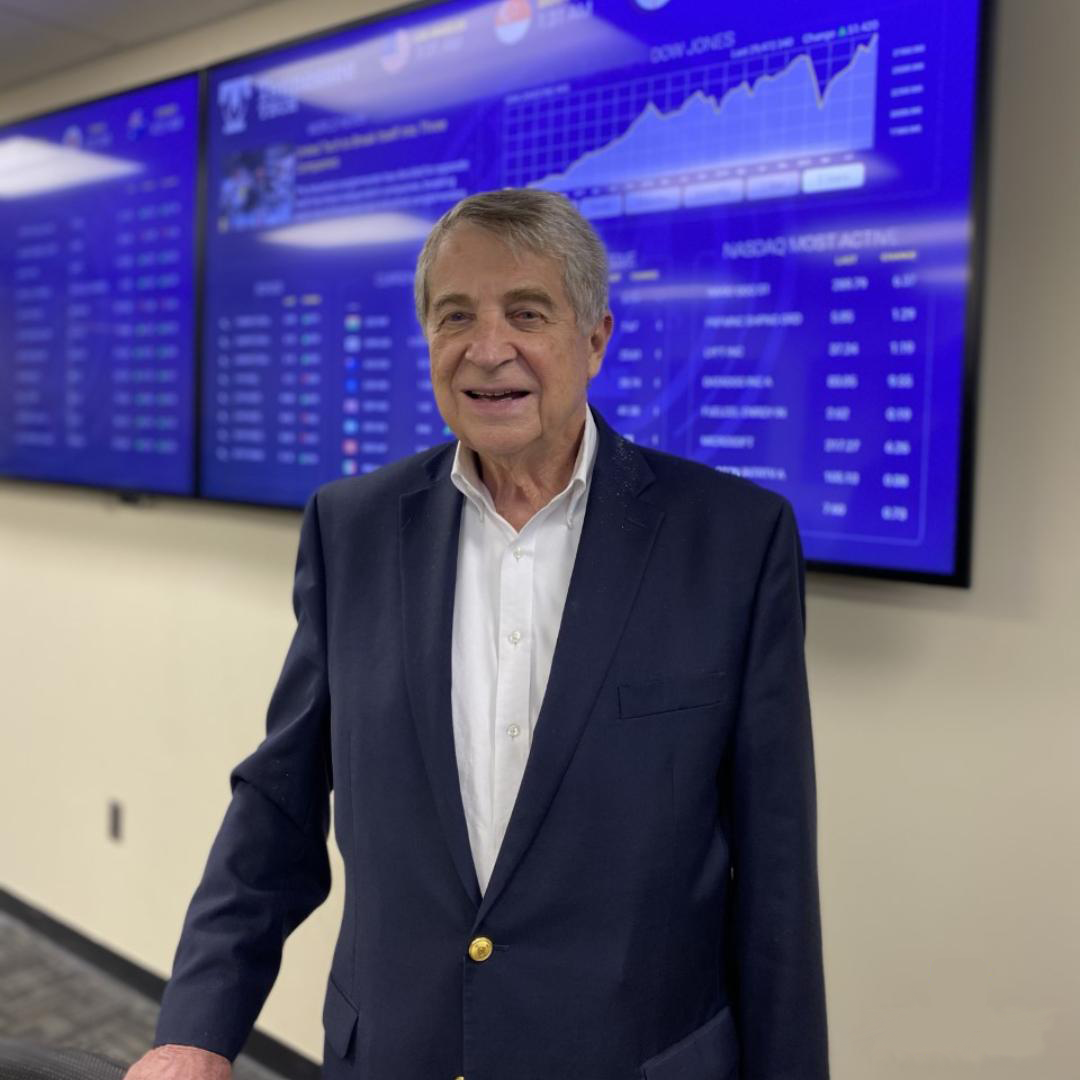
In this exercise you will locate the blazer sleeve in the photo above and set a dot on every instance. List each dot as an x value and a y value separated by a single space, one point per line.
268 867
780 999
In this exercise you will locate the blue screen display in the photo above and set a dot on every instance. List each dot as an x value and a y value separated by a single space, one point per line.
97 333
784 190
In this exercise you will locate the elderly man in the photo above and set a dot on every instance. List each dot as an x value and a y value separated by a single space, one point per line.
557 684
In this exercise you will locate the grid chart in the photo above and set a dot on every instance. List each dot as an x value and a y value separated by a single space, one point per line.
809 100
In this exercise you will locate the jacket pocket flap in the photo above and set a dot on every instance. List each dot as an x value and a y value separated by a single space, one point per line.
339 1020
672 693
707 1053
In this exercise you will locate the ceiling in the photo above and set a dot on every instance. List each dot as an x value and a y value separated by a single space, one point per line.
42 37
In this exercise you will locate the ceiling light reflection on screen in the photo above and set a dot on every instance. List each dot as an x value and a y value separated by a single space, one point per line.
359 230
31 167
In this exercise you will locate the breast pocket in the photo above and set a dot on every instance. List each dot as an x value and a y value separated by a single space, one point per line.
672 693
708 1053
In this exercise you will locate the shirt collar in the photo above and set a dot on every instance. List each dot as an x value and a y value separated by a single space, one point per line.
466 477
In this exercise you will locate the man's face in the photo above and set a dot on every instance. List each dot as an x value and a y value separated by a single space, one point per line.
509 364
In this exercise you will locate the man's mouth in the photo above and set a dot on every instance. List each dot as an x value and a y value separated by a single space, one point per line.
496 395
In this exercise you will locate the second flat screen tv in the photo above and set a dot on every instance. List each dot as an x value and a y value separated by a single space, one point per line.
97 268
785 192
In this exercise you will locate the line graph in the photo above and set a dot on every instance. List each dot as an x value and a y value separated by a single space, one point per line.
696 124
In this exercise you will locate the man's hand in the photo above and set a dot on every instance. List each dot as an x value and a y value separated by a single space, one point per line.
173 1062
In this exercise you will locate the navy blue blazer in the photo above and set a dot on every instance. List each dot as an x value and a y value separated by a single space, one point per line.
653 910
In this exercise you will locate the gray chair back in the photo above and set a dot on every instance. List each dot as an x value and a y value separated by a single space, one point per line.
28 1061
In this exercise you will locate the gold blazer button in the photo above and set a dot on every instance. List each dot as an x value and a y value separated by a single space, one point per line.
480 949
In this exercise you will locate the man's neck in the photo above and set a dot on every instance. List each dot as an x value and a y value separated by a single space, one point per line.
520 488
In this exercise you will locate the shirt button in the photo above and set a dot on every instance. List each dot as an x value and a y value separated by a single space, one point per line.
513 731
514 637
518 552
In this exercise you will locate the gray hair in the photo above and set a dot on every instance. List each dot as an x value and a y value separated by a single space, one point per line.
537 221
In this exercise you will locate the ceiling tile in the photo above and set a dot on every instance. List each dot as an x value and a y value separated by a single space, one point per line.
131 21
67 14
41 37
128 21
30 49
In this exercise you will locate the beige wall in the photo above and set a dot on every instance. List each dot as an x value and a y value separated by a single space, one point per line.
141 644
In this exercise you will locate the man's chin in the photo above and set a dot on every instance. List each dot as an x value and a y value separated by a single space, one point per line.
499 446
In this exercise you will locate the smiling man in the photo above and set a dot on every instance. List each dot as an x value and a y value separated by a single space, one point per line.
557 684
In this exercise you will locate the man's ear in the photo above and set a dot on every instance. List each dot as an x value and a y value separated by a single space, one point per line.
598 343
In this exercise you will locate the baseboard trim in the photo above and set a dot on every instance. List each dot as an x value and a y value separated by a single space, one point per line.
263 1048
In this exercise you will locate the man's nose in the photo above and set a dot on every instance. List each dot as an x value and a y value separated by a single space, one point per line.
490 342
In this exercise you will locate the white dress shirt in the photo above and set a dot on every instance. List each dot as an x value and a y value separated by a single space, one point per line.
508 604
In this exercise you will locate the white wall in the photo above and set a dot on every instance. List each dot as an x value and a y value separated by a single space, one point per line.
141 644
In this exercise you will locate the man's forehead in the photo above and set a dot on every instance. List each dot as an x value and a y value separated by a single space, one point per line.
474 265
469 247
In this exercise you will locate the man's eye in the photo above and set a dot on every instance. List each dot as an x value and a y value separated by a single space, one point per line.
454 317
527 315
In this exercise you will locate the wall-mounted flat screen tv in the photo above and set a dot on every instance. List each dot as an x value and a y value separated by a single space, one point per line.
787 192
97 330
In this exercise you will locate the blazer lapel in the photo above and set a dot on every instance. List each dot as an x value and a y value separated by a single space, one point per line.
430 519
616 540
